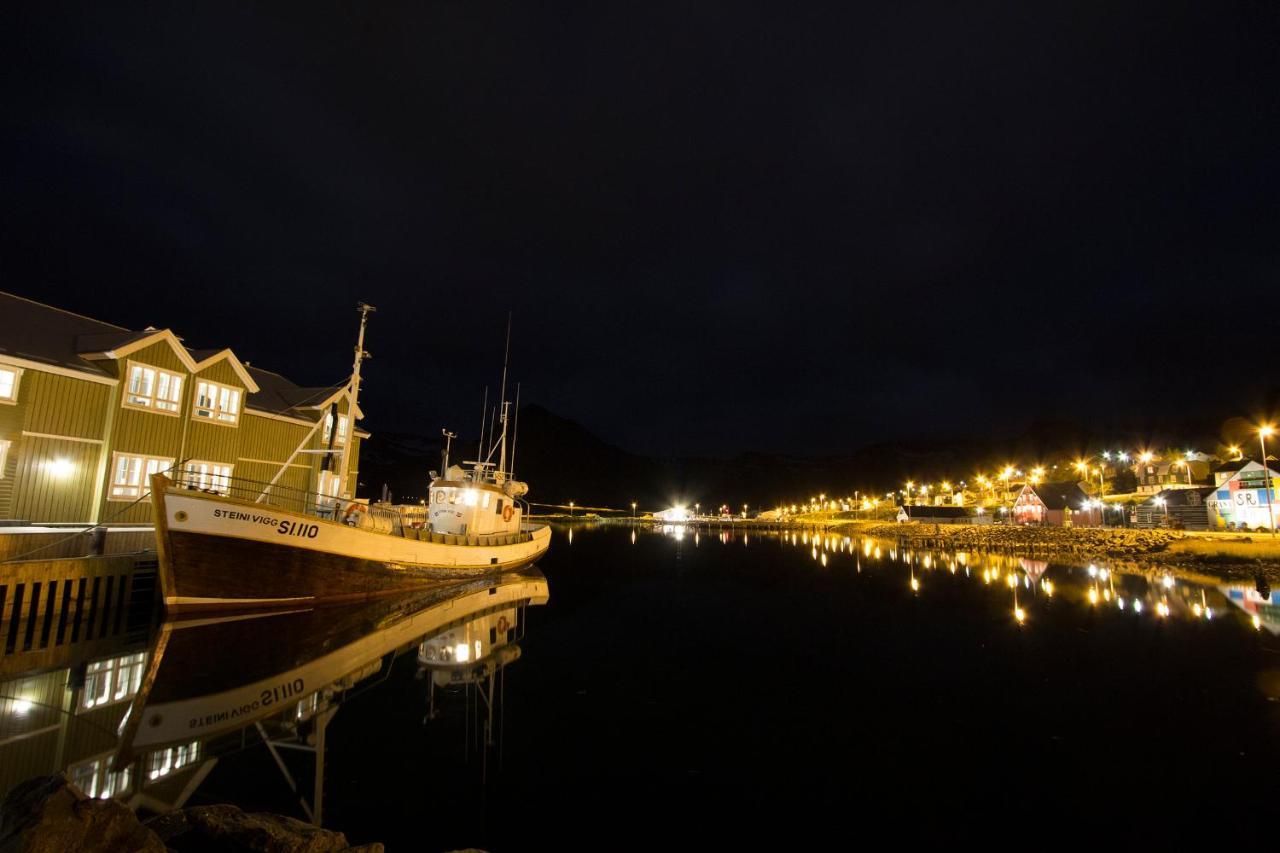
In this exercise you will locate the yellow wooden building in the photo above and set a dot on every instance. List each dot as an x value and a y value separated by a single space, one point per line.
89 410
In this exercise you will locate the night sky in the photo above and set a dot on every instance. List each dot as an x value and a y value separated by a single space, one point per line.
721 226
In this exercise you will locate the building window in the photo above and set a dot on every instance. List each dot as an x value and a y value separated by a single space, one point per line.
327 485
97 780
328 428
131 475
4 455
217 403
9 384
166 761
153 388
112 680
208 476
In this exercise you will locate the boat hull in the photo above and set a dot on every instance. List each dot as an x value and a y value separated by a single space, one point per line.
219 553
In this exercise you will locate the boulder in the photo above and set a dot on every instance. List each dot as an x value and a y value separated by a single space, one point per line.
226 827
48 813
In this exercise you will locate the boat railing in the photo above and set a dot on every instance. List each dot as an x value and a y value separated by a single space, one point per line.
292 499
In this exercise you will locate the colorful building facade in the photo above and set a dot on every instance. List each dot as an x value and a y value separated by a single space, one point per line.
1240 499
89 410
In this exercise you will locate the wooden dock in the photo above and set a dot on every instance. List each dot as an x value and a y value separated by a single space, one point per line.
48 603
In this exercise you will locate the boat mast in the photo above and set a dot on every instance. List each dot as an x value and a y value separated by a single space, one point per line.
506 358
353 394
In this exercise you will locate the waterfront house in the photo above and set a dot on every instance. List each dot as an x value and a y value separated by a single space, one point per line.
1184 508
1240 501
1055 505
935 514
89 410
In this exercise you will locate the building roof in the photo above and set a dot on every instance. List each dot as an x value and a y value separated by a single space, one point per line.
280 395
1060 495
1236 464
44 334
1183 497
47 335
918 511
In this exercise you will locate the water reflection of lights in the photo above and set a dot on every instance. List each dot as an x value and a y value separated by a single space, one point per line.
1092 583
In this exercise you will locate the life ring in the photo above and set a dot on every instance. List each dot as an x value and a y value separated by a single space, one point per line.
507 512
351 510
503 624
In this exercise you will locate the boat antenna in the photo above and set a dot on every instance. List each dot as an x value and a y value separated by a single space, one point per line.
493 419
484 413
353 394
448 439
506 359
515 432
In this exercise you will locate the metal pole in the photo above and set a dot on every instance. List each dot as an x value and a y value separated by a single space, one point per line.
1266 475
353 394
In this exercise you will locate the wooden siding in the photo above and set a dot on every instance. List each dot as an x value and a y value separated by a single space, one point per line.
60 405
40 494
55 405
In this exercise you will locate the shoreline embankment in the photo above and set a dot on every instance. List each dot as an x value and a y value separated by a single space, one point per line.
1222 555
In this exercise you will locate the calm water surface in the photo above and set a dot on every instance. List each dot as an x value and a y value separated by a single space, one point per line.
673 687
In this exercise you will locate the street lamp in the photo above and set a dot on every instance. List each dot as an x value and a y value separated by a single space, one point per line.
1264 432
571 509
633 510
1163 503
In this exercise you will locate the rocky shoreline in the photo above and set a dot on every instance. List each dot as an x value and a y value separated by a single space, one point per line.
48 814
1239 558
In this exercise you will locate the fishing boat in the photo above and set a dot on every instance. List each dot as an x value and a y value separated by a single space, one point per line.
252 544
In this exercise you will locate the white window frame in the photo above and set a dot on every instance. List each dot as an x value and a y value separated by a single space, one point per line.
130 491
5 444
12 397
170 404
205 476
341 438
228 400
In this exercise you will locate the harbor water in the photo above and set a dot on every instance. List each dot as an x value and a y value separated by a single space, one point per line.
675 687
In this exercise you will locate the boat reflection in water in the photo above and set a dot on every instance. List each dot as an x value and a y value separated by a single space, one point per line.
147 724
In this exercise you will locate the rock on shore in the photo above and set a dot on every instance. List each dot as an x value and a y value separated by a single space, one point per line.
48 814
1086 541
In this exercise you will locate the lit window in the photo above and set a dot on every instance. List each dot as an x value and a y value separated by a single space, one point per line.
327 484
153 388
131 475
328 428
214 402
113 680
208 476
9 384
97 780
4 456
166 761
